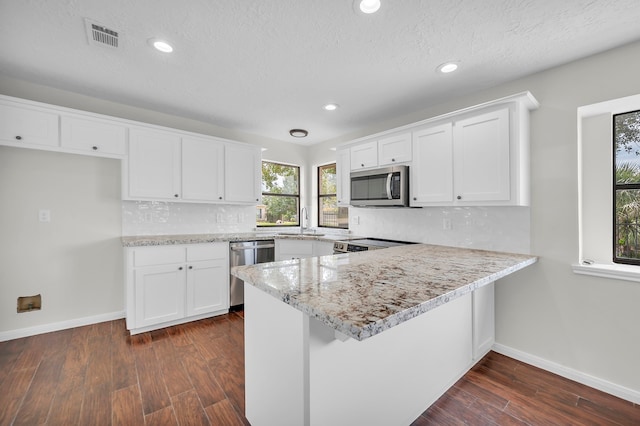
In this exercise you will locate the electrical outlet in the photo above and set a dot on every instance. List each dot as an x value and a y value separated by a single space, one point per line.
218 217
446 224
355 220
44 215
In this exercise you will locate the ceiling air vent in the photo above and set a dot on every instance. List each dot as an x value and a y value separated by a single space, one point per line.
99 35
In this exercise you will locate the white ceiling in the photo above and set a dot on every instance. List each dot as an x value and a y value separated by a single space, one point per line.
266 66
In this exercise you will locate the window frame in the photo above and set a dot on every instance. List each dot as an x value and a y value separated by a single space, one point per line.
271 194
321 196
615 188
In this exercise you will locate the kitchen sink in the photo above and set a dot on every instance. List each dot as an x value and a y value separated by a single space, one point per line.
305 234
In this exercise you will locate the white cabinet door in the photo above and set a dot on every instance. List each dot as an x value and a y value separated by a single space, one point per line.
202 170
159 294
242 173
154 165
293 249
207 286
394 149
25 126
364 155
481 155
432 170
343 177
483 320
93 136
322 248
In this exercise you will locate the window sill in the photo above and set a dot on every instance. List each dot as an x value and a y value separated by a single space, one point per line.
613 271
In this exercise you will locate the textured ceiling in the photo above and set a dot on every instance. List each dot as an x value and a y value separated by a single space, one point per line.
266 66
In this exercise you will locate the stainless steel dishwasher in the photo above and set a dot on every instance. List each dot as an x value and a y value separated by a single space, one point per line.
247 253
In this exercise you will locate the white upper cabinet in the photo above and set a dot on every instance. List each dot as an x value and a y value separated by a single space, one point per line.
343 177
175 167
394 149
386 151
153 166
432 170
481 158
364 155
202 170
243 174
477 161
28 126
98 137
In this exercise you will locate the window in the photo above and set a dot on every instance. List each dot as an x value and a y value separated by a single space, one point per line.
280 195
329 214
626 186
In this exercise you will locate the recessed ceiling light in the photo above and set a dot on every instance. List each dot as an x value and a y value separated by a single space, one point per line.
368 6
331 107
447 67
298 133
161 45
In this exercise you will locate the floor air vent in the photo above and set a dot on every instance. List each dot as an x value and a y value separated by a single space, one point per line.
99 35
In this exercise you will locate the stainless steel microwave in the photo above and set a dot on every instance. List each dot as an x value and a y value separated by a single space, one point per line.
384 187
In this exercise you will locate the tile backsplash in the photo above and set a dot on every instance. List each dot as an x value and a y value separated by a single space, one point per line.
490 228
164 218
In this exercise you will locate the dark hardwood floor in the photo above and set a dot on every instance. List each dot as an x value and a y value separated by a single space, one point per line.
192 374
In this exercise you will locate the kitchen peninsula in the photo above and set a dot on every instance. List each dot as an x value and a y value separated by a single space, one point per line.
366 338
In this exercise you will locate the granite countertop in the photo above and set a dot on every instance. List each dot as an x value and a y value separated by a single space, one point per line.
162 240
363 294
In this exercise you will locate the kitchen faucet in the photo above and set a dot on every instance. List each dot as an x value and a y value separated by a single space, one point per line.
303 216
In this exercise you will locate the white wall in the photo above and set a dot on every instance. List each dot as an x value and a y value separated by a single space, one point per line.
75 261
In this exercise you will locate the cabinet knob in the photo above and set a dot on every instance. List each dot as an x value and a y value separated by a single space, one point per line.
95 148
415 198
257 199
19 138
176 195
219 198
180 268
393 159
459 197
190 267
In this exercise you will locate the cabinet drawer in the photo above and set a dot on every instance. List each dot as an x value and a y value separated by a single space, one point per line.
158 255
207 252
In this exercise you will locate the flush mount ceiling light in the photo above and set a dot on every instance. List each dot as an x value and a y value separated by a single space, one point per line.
161 45
298 133
447 67
368 6
331 107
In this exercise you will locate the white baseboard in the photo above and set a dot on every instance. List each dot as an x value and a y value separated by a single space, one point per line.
569 373
62 325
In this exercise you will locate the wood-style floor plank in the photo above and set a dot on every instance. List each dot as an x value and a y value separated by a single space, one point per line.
194 374
189 409
127 407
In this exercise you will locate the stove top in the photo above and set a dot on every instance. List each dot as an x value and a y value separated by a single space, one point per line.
365 244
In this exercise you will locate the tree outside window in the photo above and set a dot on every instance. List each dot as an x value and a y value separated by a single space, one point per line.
626 185
329 214
280 195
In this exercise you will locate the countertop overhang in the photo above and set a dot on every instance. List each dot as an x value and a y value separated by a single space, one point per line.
363 294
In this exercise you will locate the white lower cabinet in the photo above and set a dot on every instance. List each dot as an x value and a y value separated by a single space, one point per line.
299 249
170 285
